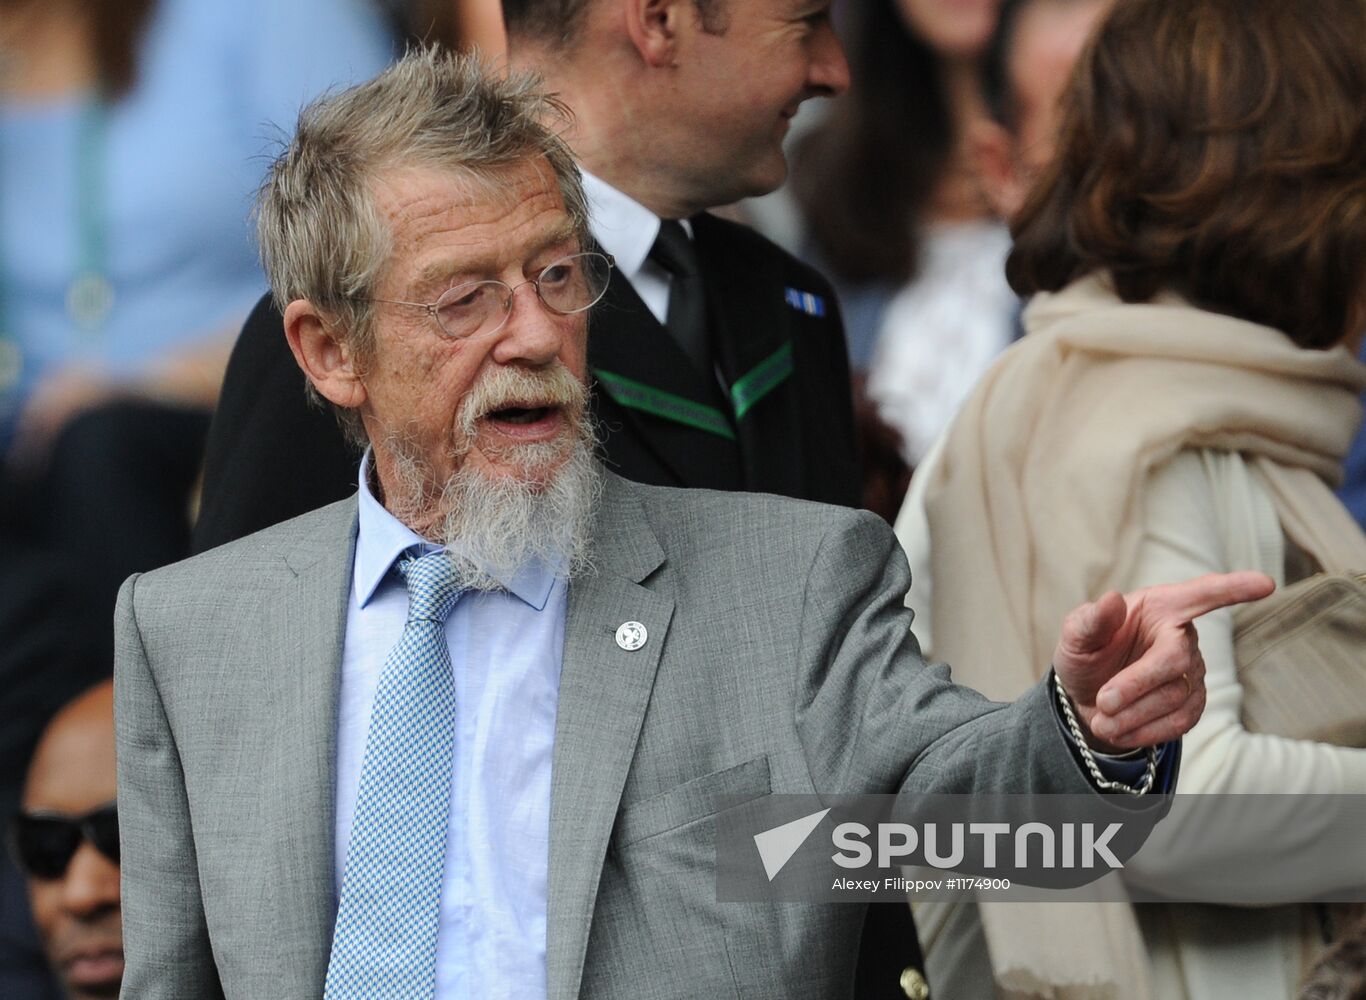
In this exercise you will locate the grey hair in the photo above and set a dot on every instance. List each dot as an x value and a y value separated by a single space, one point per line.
322 237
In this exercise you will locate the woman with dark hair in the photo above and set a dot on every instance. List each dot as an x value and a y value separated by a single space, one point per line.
888 199
894 209
892 154
1196 254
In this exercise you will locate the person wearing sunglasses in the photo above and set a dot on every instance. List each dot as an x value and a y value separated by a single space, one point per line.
65 840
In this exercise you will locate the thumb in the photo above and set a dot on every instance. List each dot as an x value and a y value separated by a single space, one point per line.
1090 627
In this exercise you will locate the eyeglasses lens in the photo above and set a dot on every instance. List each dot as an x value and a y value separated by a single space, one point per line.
45 845
569 285
575 283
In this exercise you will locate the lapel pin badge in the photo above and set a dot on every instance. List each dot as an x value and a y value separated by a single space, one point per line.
631 636
805 302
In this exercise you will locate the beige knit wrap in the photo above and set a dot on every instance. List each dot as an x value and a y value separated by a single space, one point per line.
1033 509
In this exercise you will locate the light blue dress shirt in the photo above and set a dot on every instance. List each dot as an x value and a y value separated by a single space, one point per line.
506 651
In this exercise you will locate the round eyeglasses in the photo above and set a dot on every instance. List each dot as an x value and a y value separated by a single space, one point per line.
565 286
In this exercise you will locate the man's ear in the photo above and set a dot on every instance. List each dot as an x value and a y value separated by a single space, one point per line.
328 363
654 27
992 151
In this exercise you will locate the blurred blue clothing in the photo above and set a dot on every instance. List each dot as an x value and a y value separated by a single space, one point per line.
183 155
1353 492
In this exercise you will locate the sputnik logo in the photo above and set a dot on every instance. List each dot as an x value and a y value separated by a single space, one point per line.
776 846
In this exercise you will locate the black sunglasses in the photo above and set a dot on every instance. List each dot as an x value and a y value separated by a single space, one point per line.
43 843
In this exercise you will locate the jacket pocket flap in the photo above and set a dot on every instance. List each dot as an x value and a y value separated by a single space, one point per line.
693 800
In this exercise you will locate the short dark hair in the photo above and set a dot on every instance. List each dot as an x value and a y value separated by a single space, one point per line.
556 22
1216 148
117 28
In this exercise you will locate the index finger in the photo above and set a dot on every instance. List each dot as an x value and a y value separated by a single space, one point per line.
1190 599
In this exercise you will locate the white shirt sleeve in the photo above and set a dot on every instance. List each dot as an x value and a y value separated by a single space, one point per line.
1206 512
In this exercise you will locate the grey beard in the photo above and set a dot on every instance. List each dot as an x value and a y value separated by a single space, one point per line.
493 526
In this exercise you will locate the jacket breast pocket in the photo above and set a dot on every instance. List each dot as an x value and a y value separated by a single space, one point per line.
692 801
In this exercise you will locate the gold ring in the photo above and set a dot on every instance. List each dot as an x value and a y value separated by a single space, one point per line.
1189 686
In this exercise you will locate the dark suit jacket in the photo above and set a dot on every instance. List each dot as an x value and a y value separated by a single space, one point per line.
787 427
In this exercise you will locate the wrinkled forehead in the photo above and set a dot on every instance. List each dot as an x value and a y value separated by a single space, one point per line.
419 204
401 190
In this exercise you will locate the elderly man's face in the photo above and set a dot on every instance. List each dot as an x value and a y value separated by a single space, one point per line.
77 913
494 402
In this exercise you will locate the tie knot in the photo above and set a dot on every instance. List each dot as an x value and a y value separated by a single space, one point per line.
433 587
673 250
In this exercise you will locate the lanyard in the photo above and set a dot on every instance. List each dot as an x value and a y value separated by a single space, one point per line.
90 295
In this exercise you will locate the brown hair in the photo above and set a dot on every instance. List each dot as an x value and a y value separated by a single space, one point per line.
1216 148
116 28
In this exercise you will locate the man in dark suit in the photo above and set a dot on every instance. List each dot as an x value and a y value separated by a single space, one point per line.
718 359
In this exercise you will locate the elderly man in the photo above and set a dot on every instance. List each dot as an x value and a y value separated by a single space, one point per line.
463 735
66 842
718 359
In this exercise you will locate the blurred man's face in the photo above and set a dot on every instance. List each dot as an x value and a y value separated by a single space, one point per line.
77 911
952 28
740 88
1046 42
1049 39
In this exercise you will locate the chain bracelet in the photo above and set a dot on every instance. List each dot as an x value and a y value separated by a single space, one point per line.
1089 759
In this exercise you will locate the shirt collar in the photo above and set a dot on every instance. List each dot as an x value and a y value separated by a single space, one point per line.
381 538
623 227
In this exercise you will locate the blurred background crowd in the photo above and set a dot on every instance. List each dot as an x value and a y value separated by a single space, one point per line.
964 172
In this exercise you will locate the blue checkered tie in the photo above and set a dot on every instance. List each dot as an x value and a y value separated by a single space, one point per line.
384 944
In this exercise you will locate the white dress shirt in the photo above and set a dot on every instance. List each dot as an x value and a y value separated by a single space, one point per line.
626 229
506 651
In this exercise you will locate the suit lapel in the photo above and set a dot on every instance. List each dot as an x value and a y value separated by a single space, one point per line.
306 621
646 381
753 324
604 691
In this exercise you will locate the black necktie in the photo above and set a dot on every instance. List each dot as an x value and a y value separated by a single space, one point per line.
687 319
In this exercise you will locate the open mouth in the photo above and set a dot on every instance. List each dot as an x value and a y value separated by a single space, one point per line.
522 415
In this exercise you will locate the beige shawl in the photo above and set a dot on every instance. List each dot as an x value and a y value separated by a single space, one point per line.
1033 509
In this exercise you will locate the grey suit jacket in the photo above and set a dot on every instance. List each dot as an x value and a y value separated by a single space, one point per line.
779 660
